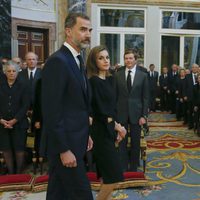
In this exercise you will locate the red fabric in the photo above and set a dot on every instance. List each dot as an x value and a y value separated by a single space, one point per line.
170 141
41 179
127 176
26 178
133 175
92 176
15 178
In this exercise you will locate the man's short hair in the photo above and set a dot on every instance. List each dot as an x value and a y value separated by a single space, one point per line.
31 52
131 51
71 19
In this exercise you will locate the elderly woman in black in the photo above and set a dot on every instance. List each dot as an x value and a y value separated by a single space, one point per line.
14 103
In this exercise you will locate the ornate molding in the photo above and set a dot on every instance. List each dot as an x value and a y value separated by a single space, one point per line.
35 24
181 3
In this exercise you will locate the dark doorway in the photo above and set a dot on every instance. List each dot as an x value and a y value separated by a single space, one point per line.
33 39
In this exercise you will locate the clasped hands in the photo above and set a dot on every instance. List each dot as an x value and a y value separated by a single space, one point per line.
8 123
121 132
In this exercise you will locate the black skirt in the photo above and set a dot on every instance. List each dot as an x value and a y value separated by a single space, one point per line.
12 139
105 153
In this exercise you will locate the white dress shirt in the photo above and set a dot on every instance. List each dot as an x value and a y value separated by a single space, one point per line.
74 52
133 70
194 79
33 72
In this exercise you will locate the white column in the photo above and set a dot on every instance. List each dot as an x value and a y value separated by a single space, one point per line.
153 37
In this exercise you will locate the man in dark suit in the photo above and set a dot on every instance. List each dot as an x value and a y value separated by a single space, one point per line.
191 81
65 109
153 81
173 76
141 67
31 75
132 106
164 89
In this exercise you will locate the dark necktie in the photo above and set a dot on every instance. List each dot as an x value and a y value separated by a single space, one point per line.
195 79
129 85
32 92
82 69
31 78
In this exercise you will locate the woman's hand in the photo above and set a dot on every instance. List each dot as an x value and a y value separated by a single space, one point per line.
11 123
8 124
90 121
118 139
90 144
4 123
121 130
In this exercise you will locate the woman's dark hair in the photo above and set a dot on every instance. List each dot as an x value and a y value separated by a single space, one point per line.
92 69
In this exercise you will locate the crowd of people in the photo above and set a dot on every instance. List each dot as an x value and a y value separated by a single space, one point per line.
78 110
178 92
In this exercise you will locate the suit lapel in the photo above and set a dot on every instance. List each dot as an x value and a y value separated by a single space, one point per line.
123 80
26 74
136 80
36 76
77 73
73 65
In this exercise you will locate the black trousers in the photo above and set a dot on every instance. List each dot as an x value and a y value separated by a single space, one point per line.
67 183
190 114
173 102
38 133
152 99
130 158
165 100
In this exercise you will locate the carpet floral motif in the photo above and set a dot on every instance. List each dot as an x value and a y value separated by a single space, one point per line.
173 166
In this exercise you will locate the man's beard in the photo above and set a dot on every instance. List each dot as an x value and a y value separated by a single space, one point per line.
84 45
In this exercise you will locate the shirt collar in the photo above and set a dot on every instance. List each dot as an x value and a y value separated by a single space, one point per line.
33 70
132 69
73 51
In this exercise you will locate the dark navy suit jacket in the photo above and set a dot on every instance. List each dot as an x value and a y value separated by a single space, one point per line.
65 106
23 76
153 80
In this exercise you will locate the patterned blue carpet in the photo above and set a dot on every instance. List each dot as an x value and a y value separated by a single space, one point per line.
173 168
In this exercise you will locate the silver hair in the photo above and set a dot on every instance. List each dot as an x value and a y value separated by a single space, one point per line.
11 63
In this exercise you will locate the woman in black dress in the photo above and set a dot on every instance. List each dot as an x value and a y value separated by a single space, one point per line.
181 103
14 103
105 131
